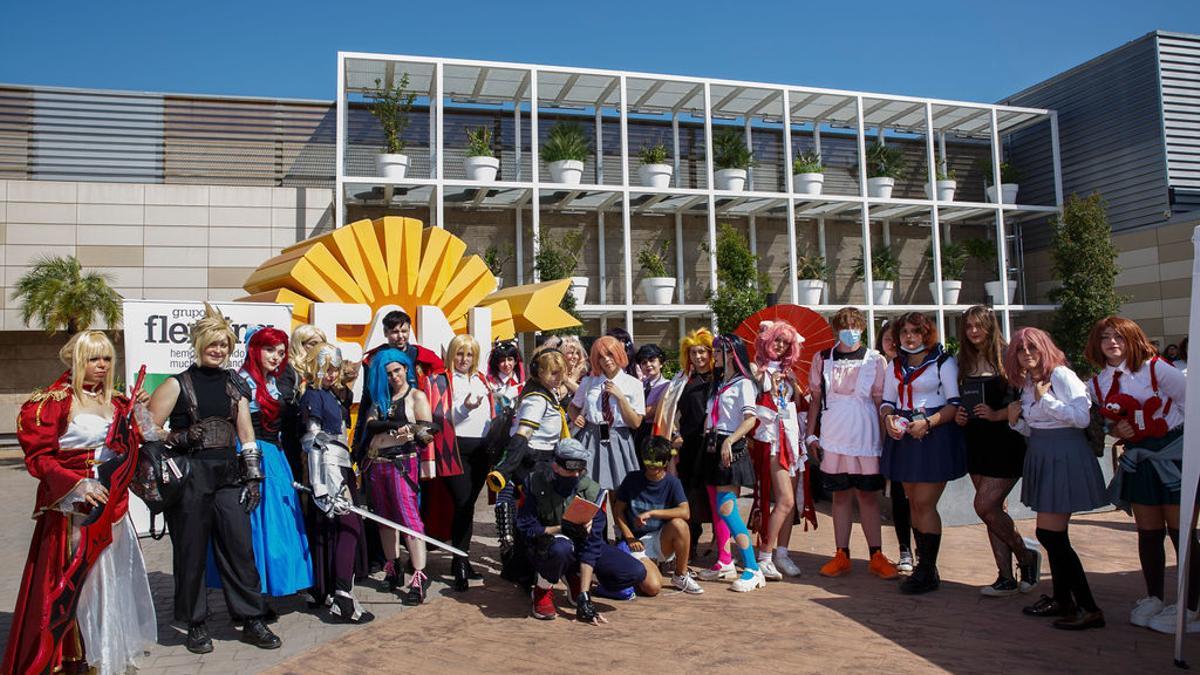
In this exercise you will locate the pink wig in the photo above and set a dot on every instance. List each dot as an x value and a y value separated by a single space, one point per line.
764 344
608 346
1052 357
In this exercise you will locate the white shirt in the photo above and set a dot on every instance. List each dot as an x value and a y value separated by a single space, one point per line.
1172 384
505 391
1064 406
590 392
544 419
931 390
470 422
734 401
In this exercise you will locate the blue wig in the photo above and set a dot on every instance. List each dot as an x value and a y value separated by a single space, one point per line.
377 379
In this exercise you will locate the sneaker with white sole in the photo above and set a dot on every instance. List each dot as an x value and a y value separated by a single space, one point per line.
1000 588
784 564
749 581
768 570
905 564
1031 572
686 583
1145 609
1164 621
722 573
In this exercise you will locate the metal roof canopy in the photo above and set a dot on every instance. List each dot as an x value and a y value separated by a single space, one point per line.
496 83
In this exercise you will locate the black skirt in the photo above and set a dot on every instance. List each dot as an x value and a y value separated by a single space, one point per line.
739 473
993 448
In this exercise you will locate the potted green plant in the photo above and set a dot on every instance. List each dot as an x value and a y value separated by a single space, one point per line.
808 174
480 163
391 105
564 152
945 185
496 257
885 163
885 272
658 288
732 160
655 171
811 271
1010 182
984 250
954 263
558 258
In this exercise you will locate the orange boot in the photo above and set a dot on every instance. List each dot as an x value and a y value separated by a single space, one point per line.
837 566
882 567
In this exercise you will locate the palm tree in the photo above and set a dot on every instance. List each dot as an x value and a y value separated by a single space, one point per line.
60 295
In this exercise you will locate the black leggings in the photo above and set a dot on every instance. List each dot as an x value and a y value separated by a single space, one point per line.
465 488
901 515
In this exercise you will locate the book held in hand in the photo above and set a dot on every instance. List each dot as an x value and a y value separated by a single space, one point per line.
580 511
972 393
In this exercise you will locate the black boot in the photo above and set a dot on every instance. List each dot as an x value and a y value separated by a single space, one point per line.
458 568
256 633
416 590
471 573
504 525
391 578
346 609
198 641
925 577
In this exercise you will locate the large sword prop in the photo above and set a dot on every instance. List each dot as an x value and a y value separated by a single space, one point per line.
343 503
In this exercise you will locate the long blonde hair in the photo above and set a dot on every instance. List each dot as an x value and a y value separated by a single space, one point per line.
460 343
297 352
81 348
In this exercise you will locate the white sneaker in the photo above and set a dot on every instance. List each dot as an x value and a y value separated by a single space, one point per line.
768 570
905 564
1164 621
745 584
686 583
1145 609
784 564
722 573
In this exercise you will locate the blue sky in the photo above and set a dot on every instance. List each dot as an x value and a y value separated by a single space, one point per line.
973 51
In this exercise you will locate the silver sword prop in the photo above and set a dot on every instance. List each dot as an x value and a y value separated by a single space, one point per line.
342 501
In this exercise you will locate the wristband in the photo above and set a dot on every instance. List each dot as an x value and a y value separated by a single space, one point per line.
811 438
250 446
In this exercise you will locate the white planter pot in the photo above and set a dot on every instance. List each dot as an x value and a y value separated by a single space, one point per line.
499 283
481 168
579 286
1007 190
950 291
808 183
993 291
810 291
880 187
881 291
730 180
566 171
659 290
391 166
945 190
656 175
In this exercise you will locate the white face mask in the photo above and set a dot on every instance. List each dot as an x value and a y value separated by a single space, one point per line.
913 350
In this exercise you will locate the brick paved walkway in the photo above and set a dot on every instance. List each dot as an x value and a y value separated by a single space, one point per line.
853 624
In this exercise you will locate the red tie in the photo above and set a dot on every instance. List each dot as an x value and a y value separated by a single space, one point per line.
606 406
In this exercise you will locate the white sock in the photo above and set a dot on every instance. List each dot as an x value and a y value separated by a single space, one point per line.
763 556
542 583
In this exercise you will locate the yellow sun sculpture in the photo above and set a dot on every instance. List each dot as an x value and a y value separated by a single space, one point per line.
393 260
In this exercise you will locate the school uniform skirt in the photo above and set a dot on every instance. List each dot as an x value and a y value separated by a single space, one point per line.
1062 474
612 459
939 457
739 473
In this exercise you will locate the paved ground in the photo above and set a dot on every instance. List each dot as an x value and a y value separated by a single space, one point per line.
853 624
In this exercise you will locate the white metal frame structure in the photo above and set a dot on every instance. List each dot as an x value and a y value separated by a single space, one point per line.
524 89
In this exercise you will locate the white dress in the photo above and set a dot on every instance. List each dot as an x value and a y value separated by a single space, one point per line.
116 612
784 414
850 433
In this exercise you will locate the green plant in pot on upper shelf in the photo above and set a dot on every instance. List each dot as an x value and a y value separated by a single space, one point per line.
391 104
565 151
655 169
984 250
811 271
557 258
885 272
954 263
885 164
808 174
1010 181
658 288
480 163
496 258
945 183
732 160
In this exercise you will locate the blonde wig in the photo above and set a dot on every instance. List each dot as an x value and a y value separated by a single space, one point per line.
467 343
211 328
81 348
320 359
701 337
297 352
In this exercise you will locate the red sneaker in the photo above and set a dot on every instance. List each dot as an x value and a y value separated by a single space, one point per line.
543 604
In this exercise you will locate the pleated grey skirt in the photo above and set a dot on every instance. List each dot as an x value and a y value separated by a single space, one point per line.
612 459
1062 474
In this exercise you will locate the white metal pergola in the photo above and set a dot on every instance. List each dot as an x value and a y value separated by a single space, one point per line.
521 90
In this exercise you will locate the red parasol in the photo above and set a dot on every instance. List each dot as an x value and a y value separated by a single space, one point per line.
812 327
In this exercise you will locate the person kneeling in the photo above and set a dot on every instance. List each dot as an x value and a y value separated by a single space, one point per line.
558 546
651 511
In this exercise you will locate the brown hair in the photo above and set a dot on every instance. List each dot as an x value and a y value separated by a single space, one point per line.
918 320
1137 346
993 345
848 318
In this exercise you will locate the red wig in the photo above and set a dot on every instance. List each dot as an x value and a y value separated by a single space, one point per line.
265 338
1040 341
764 344
608 346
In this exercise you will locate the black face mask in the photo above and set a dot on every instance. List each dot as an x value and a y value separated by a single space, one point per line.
565 485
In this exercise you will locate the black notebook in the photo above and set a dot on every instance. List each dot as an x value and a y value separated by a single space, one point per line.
972 393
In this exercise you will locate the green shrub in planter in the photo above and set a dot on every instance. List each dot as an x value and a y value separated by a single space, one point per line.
730 151
807 162
954 260
811 267
566 141
885 161
1008 172
654 154
391 106
653 258
479 142
884 265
